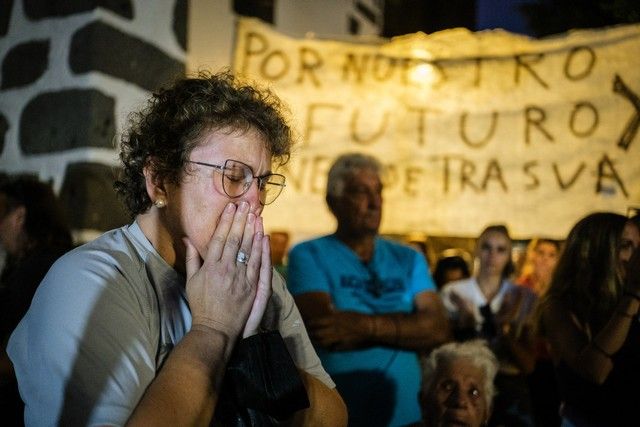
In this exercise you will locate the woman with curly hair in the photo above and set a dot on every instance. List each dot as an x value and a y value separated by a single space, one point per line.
140 325
590 317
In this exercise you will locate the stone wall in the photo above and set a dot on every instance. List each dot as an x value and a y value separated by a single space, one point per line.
71 72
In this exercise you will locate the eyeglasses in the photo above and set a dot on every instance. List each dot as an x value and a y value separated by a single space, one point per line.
237 178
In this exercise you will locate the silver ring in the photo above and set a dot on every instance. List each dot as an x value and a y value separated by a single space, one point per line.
242 258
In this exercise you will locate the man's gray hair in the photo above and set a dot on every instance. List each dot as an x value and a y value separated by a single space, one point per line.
346 165
475 351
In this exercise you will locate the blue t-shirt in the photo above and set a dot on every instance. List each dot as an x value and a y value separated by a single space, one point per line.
379 384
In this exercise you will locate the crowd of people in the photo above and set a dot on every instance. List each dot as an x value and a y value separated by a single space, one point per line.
193 315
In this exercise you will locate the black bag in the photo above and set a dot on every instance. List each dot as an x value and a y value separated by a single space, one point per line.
261 385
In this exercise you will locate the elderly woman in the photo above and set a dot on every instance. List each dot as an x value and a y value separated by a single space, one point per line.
139 325
457 386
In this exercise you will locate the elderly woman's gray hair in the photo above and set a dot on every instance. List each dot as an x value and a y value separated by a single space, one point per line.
345 166
475 351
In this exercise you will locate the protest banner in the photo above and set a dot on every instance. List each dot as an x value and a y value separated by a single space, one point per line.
473 128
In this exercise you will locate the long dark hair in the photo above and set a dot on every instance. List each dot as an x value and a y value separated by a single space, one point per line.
587 278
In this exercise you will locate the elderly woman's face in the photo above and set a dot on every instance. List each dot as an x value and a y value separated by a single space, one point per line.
457 397
194 207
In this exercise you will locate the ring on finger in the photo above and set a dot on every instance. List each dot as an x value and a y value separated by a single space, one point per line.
242 257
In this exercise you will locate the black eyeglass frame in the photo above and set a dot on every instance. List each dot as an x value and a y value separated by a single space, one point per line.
262 179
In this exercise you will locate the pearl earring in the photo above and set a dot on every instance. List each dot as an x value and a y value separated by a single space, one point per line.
160 203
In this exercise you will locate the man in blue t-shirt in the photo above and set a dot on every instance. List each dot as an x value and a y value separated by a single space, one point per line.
369 304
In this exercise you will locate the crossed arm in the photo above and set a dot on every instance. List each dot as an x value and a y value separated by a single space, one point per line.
421 330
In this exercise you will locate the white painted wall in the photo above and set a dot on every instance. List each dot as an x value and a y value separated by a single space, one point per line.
211 27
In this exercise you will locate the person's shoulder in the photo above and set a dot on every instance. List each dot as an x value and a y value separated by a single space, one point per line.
390 243
108 256
397 248
311 244
520 289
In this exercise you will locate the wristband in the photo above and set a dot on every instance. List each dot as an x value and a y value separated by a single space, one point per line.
600 349
634 295
625 314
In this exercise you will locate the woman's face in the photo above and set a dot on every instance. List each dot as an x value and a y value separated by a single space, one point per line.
629 241
545 257
194 206
457 396
494 251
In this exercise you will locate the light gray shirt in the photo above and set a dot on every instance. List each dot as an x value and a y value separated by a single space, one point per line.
103 321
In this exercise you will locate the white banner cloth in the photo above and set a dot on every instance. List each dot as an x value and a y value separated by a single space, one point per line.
473 128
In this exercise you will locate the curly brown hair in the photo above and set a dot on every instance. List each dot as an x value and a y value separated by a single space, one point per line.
165 132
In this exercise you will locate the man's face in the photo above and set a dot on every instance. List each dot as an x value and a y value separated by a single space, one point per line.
359 209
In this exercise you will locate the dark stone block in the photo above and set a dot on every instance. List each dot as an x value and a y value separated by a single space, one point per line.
5 14
25 63
57 121
39 9
4 126
180 16
99 47
89 199
262 9
354 25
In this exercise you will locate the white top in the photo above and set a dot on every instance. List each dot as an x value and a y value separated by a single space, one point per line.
469 290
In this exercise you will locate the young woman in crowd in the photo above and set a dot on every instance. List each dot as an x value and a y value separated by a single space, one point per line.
542 257
590 317
490 306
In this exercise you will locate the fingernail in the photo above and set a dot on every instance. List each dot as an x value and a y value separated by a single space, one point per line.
251 219
230 207
244 206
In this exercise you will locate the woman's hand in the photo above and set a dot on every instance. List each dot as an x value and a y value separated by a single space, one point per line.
263 292
465 318
221 290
